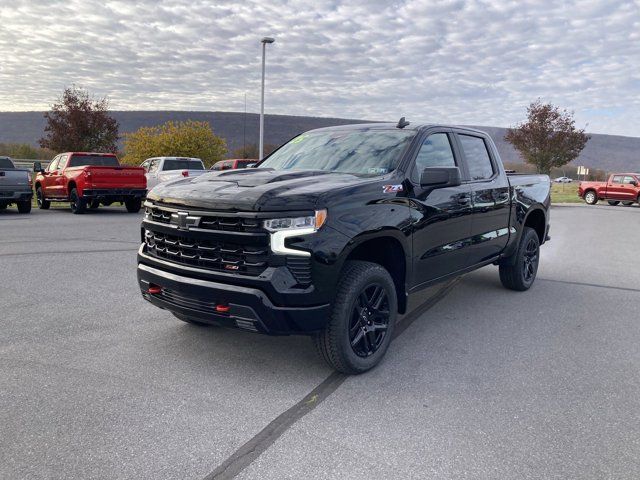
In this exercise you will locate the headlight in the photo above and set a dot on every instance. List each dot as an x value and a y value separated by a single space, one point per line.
283 228
299 223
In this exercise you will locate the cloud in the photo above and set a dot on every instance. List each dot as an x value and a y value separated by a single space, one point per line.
470 62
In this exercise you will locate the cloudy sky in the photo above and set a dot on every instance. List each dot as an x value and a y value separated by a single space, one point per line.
458 61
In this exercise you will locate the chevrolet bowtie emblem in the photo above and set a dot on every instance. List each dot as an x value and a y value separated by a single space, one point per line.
183 220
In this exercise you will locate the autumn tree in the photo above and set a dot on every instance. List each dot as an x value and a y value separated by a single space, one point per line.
548 138
174 139
80 123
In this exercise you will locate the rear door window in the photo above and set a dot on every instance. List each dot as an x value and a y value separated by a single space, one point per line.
477 156
628 179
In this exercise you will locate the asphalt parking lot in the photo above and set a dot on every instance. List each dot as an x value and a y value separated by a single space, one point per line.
485 383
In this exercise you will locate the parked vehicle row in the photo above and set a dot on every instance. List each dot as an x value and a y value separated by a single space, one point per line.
87 180
619 188
15 186
330 234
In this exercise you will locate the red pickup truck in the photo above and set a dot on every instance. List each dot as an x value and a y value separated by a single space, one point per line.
621 187
88 180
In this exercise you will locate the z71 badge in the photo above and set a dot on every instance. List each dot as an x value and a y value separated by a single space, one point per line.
391 188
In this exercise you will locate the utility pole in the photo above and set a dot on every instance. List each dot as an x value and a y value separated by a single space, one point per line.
264 42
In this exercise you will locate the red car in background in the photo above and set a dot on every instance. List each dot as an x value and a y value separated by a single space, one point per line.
86 179
234 163
621 187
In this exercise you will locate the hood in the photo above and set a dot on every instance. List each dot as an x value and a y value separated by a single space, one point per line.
254 189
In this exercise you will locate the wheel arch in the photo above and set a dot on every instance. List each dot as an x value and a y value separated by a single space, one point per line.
388 251
537 219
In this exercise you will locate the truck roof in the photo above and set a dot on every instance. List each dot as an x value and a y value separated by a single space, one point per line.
90 153
388 125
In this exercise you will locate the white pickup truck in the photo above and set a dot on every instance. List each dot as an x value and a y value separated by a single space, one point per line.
15 186
162 169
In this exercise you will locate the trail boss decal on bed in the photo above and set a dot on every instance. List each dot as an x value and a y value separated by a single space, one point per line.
391 188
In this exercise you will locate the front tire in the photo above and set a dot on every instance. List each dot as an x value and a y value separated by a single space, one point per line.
133 205
24 207
590 197
626 204
613 203
362 319
519 273
78 204
43 204
94 204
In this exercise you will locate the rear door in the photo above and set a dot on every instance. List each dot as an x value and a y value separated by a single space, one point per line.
441 217
615 188
489 196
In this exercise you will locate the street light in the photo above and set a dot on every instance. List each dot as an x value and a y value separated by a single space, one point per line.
264 42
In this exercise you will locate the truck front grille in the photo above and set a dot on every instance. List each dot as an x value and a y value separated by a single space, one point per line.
211 222
208 254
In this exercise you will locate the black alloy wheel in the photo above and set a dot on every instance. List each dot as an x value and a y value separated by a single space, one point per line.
530 258
369 320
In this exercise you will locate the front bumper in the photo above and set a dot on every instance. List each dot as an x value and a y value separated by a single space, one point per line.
15 195
246 308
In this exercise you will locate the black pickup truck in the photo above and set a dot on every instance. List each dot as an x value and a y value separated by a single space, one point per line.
330 234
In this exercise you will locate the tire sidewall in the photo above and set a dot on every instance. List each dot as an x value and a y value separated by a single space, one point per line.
342 314
591 194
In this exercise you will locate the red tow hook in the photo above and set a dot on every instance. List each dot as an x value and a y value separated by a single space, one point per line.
223 308
185 173
154 289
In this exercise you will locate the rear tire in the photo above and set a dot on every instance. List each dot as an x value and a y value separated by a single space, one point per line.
613 203
133 205
362 319
520 272
626 204
78 204
590 197
94 204
24 207
43 204
190 320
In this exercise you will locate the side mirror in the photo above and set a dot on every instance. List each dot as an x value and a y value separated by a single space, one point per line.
37 167
440 177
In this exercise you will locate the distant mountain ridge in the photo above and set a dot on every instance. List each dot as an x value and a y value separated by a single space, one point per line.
605 152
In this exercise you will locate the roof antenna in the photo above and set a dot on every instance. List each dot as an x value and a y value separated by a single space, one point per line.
402 123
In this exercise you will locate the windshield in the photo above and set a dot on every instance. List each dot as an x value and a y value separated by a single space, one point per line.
93 160
365 152
182 164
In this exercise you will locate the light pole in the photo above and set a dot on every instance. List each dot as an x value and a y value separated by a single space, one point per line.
264 42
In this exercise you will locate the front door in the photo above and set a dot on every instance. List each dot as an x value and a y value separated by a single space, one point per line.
49 176
489 197
441 217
